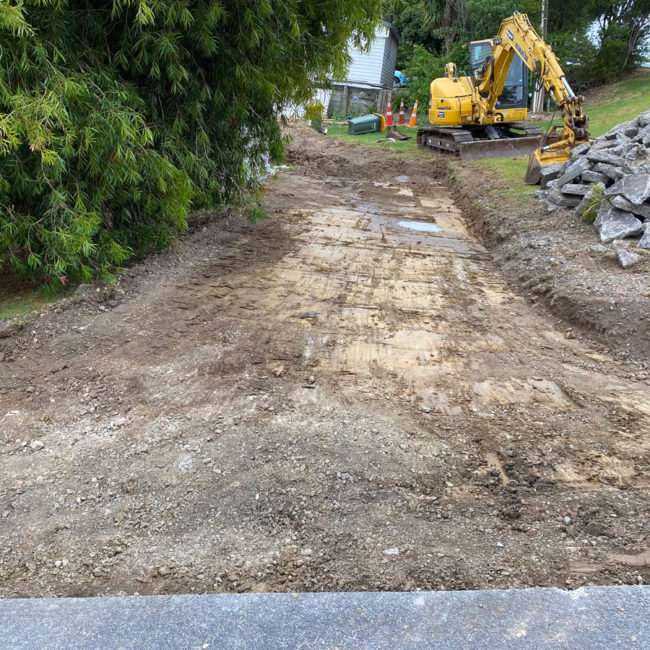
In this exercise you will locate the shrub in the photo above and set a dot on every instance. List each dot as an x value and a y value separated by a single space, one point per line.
421 67
117 119
596 197
314 113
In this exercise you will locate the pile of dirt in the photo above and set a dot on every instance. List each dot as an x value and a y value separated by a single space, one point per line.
608 182
313 153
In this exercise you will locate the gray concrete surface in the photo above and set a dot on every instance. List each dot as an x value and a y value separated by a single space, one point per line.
591 618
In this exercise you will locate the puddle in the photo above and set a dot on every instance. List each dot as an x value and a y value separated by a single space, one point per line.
420 226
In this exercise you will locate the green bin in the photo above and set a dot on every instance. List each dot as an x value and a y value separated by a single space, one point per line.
364 124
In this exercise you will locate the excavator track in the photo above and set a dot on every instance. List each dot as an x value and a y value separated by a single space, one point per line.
504 140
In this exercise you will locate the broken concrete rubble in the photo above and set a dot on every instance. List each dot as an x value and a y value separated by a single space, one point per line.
594 177
627 259
644 242
622 203
549 173
604 157
557 197
644 118
573 170
612 223
580 150
613 173
575 188
618 164
636 189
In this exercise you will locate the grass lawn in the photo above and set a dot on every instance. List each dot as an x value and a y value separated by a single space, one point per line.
511 170
341 132
21 304
19 296
609 105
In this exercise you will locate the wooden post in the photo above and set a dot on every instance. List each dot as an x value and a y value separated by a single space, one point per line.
381 101
345 99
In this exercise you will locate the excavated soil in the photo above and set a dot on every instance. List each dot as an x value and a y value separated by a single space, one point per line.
325 400
550 258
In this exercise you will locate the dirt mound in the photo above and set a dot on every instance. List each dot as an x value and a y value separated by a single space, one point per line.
314 153
554 259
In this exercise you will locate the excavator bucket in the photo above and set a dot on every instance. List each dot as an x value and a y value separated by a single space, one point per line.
552 150
540 158
534 171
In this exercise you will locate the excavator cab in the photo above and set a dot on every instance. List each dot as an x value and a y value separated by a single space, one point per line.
513 100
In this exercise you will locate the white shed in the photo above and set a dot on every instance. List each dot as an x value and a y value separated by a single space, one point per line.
376 65
370 76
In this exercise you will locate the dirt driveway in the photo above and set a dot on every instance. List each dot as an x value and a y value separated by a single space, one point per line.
327 400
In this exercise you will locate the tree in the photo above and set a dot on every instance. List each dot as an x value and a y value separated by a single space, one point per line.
623 32
414 28
609 39
116 119
485 16
448 21
570 17
421 66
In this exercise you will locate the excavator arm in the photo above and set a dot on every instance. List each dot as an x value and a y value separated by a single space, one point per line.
518 37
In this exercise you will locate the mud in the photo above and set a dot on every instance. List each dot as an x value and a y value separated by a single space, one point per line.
324 400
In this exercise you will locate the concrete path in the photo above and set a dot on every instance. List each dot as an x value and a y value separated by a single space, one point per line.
590 618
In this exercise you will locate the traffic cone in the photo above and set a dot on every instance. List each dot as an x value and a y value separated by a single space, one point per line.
414 116
400 120
389 115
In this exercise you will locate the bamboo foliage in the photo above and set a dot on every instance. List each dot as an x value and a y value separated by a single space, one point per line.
117 119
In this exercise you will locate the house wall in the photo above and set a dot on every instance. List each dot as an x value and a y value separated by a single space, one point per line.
369 78
377 65
366 67
389 61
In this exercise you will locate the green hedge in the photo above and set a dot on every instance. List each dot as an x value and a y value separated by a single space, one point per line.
116 119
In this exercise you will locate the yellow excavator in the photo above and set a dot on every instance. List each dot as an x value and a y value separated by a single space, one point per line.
483 115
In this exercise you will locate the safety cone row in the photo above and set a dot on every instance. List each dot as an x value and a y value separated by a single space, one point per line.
414 116
401 121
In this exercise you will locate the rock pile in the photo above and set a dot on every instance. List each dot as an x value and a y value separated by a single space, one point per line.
607 182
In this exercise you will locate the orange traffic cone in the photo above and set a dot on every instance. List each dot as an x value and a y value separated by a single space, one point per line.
389 115
400 120
414 115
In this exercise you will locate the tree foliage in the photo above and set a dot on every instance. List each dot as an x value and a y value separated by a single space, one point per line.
421 66
596 40
413 25
118 118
